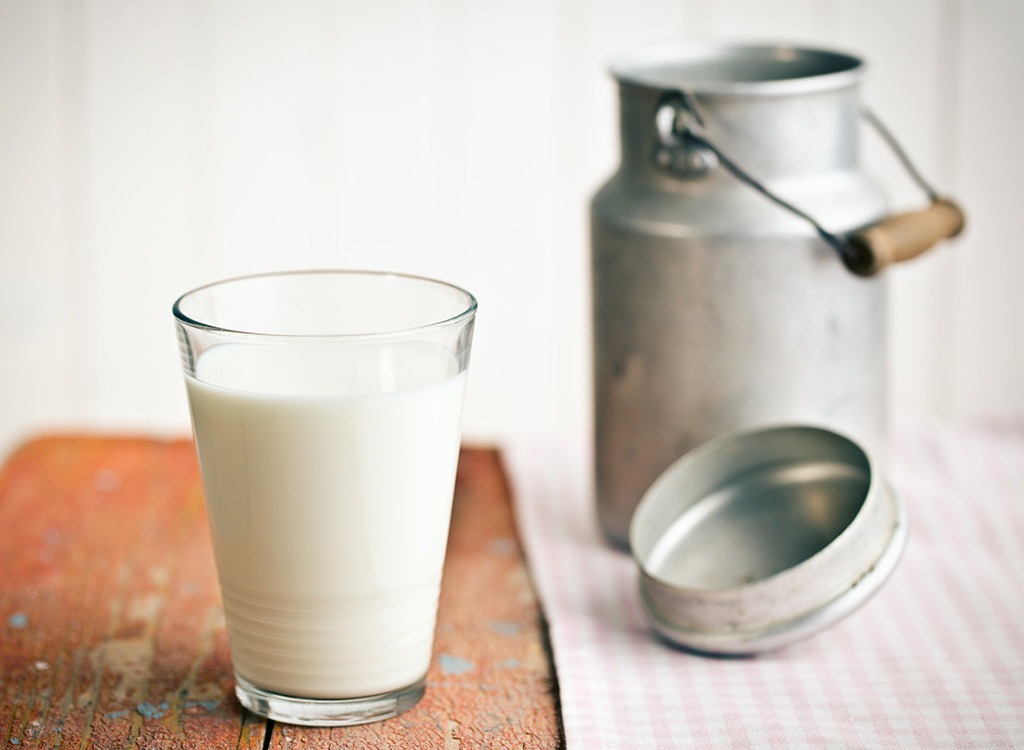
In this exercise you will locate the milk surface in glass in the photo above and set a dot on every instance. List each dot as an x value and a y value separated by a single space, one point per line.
363 439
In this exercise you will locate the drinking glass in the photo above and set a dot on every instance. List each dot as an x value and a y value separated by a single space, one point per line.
326 408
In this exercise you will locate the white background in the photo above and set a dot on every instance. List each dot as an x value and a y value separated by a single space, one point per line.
148 147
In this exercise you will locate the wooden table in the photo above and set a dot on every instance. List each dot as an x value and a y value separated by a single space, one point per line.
113 635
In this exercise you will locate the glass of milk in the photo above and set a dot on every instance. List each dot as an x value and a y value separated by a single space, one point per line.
326 407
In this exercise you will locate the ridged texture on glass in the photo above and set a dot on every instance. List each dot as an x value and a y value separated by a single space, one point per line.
337 647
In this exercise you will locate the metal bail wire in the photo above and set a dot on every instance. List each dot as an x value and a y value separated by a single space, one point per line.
680 124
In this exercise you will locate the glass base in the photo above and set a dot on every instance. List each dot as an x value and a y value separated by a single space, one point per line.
317 712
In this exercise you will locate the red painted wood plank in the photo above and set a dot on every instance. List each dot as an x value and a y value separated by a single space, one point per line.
490 684
112 632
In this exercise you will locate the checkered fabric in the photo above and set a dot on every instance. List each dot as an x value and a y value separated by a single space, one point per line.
934 660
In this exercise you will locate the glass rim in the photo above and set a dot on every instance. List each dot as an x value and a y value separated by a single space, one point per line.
468 312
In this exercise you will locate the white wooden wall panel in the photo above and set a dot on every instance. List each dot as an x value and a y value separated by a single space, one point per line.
985 334
910 47
34 365
146 148
780 20
137 239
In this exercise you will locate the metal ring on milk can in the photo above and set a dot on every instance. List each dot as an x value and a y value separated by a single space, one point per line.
677 151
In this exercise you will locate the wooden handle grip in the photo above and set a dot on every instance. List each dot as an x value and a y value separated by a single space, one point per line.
904 236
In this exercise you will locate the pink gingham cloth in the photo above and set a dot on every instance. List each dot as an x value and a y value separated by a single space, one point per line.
934 660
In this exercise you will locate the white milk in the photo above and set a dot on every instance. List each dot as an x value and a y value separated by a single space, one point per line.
329 474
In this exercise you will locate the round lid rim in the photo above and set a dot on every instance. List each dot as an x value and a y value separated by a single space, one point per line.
803 624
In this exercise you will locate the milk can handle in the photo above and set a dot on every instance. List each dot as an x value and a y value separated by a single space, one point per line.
865 252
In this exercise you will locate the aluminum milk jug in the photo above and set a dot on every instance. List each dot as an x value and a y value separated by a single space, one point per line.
717 305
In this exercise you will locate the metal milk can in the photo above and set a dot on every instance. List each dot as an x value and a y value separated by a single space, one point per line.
732 277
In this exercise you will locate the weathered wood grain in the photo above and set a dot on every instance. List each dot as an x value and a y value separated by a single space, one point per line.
113 636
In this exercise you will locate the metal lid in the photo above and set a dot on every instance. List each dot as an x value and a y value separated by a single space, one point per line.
758 539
